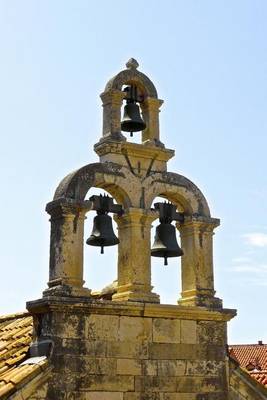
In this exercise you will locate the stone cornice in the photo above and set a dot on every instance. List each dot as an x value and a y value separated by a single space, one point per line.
88 306
134 150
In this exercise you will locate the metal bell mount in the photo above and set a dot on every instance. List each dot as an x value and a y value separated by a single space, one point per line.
132 120
102 234
165 242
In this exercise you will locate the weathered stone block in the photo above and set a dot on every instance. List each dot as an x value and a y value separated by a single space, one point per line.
188 331
132 349
143 396
193 384
95 348
102 327
166 330
69 326
158 384
99 366
204 368
171 368
213 396
179 396
150 367
118 383
212 332
135 328
126 366
211 352
103 396
171 351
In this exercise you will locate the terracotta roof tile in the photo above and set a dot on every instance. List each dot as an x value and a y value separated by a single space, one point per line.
249 355
260 376
15 338
5 389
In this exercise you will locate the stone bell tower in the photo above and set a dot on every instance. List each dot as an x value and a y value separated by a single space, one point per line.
131 347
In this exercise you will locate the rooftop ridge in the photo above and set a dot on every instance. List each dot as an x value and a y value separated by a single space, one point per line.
8 317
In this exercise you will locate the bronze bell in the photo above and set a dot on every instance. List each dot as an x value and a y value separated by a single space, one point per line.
165 244
132 120
102 234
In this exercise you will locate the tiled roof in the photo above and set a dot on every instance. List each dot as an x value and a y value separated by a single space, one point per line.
15 378
15 339
260 376
249 356
250 353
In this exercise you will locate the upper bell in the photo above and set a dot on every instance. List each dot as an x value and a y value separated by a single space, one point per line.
132 120
102 234
165 244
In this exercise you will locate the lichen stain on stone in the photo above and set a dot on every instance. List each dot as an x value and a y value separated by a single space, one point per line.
75 222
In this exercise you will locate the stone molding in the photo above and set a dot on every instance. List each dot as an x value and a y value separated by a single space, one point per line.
134 309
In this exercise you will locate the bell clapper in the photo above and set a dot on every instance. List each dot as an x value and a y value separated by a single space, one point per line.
165 260
102 250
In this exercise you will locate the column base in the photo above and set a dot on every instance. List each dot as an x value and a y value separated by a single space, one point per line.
132 293
67 291
110 138
200 298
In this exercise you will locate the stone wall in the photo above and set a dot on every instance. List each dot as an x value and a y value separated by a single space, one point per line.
135 351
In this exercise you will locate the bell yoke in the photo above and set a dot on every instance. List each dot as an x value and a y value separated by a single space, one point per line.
133 174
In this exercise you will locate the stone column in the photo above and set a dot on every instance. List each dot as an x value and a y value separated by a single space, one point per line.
197 262
66 248
134 264
150 109
112 103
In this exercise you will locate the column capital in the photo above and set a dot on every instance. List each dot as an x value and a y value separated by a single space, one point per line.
152 103
197 224
136 216
112 97
64 207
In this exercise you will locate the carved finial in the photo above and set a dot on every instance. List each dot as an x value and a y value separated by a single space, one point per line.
132 64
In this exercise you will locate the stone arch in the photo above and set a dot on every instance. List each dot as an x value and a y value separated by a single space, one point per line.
107 176
180 190
113 97
196 234
68 212
133 76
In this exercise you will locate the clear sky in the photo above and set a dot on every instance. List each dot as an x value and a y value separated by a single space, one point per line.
208 60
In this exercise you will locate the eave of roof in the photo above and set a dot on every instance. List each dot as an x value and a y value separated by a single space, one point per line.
15 338
17 377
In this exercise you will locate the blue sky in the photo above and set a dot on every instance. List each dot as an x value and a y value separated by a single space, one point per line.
208 61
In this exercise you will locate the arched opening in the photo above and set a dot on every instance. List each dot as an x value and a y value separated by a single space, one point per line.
100 270
165 279
131 113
